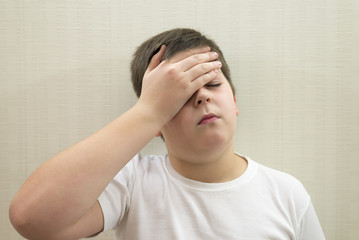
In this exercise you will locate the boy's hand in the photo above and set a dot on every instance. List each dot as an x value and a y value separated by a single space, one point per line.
168 85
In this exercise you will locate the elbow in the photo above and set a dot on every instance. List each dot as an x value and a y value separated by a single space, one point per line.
20 220
24 223
29 224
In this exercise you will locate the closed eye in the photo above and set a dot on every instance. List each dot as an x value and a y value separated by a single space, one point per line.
213 85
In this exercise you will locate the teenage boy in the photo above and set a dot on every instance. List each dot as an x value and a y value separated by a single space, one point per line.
200 190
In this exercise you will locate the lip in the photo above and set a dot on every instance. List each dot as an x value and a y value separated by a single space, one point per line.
208 118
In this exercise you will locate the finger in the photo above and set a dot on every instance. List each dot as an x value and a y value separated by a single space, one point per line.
187 53
202 69
204 79
196 59
156 59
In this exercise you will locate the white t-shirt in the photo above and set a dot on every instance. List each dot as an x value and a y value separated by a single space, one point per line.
148 199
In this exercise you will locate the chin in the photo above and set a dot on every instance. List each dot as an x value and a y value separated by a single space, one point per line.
214 140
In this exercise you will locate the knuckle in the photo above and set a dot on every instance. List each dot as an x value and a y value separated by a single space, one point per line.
197 57
171 70
183 85
203 67
210 75
203 79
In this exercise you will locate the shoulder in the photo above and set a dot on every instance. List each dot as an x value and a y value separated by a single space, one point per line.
271 176
284 186
279 178
141 167
147 162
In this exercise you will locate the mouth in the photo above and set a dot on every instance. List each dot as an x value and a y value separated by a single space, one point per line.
208 118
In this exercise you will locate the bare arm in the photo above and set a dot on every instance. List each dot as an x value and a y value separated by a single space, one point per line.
63 192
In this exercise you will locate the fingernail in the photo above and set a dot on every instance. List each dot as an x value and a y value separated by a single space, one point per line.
215 54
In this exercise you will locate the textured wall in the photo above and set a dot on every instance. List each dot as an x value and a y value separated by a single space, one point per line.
64 72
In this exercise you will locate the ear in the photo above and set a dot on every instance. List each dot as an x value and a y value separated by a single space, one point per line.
236 107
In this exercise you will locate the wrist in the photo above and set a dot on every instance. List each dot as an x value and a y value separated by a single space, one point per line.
150 115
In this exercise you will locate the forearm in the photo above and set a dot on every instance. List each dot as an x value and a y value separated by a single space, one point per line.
66 186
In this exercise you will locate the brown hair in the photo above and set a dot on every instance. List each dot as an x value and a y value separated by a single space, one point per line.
176 40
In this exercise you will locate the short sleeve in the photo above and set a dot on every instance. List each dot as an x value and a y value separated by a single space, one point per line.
115 199
309 225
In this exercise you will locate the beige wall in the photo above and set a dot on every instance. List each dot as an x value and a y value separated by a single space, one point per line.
64 74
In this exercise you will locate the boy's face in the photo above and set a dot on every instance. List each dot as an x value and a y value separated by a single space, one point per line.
206 122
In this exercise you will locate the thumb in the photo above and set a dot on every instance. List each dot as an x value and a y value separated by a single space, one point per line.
156 59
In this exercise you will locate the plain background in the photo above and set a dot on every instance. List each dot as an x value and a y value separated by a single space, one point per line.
64 72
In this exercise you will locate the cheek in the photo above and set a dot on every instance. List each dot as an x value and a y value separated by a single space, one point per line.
228 99
180 122
230 106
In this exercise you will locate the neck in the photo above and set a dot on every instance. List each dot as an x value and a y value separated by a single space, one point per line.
212 168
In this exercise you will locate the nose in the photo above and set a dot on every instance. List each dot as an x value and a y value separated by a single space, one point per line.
202 96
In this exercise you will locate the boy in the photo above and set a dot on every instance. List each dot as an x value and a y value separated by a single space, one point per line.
200 190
